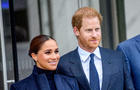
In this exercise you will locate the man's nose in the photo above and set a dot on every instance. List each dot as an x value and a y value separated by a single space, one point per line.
94 33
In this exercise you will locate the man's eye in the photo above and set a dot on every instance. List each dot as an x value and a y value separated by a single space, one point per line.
89 30
97 29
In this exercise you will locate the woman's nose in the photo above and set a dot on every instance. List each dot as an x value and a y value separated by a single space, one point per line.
53 56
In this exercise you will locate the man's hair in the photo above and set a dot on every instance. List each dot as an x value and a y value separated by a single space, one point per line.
84 12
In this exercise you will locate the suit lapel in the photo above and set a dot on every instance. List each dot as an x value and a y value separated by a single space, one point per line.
77 70
106 66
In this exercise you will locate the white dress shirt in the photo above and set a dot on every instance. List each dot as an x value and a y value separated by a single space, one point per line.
85 59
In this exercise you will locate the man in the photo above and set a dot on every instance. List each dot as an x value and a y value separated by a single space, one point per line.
94 67
131 50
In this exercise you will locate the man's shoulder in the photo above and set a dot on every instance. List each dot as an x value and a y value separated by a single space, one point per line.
130 41
110 52
69 54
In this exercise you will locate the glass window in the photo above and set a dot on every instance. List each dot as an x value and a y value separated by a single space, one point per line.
24 33
56 20
6 45
132 13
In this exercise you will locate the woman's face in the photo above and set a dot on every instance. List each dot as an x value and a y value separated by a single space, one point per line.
48 56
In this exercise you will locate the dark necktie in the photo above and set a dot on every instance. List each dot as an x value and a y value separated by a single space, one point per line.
94 79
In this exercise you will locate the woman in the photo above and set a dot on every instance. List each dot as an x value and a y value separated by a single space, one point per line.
45 53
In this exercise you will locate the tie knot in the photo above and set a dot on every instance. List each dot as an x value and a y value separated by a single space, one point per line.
91 55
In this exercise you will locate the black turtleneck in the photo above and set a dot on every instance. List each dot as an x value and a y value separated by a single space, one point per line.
50 77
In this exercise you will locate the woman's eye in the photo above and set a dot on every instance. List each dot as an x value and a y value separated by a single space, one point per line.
56 51
47 53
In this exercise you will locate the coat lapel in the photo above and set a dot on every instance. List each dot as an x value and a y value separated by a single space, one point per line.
42 82
58 82
77 70
106 66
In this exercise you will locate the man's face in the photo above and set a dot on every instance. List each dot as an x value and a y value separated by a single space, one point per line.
89 35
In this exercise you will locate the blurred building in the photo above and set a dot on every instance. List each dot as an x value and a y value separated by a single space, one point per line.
21 20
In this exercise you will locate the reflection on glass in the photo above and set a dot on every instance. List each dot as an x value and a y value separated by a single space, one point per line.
56 20
25 63
1 68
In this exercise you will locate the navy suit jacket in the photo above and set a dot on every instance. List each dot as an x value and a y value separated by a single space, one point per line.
131 50
115 73
39 82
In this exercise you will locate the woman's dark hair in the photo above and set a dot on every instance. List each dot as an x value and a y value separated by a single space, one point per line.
37 43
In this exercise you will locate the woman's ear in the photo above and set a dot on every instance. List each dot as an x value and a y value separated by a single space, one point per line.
76 31
34 56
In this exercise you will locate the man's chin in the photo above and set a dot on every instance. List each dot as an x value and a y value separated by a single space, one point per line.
94 47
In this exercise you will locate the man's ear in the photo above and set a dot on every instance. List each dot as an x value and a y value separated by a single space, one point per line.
76 31
34 56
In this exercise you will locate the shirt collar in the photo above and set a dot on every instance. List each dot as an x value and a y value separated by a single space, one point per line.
84 54
97 53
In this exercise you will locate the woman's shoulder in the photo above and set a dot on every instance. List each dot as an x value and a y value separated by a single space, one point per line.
68 82
65 77
22 83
